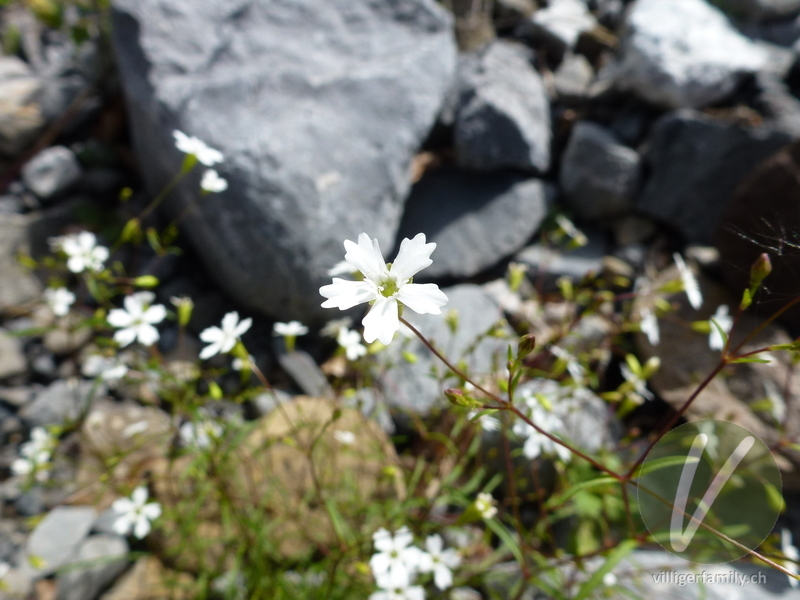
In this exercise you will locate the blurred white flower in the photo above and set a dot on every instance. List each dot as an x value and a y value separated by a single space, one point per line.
776 399
396 556
609 579
345 437
396 587
574 367
223 339
537 444
486 422
438 561
59 300
83 253
239 364
107 368
200 434
191 145
351 342
290 329
334 326
137 319
385 287
213 183
639 384
484 504
35 454
725 322
790 551
690 285
135 514
649 326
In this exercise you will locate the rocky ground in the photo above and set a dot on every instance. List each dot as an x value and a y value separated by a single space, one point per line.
656 126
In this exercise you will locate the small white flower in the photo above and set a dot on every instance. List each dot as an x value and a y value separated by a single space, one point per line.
537 444
200 434
609 579
59 300
137 319
135 514
574 368
345 437
639 384
484 504
191 145
396 556
290 329
223 339
438 561
334 326
725 322
790 551
385 287
239 364
213 183
486 422
108 369
351 342
342 268
649 326
83 253
35 454
396 587
690 285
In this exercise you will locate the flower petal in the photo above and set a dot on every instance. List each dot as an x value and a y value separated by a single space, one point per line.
242 327
422 298
366 256
211 334
147 334
413 256
382 321
344 294
125 337
155 314
119 318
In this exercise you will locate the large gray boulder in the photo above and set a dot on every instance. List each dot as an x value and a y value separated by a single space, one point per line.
318 107
683 53
696 164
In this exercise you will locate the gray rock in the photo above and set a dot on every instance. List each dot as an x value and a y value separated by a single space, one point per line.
62 401
561 24
549 264
573 77
305 372
21 119
599 176
56 539
415 385
778 104
11 204
503 116
51 172
475 219
683 53
17 285
17 396
30 502
696 163
104 557
760 10
314 74
12 358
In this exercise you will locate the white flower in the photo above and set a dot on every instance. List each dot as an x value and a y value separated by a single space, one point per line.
213 183
334 326
609 579
395 555
639 384
690 285
136 320
345 437
790 552
486 422
649 326
574 368
725 322
385 287
342 268
537 444
396 587
290 329
191 145
200 434
82 251
59 299
108 369
223 339
484 504
439 562
135 513
351 342
35 454
240 364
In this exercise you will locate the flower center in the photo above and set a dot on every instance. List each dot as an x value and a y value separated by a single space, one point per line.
388 287
394 554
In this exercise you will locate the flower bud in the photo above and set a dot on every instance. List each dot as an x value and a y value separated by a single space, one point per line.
527 343
759 271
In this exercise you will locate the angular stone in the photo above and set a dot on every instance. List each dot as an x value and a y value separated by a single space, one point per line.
339 120
12 358
475 219
599 175
696 164
21 119
148 579
683 53
51 172
106 555
573 77
57 538
17 285
62 402
503 117
760 10
562 22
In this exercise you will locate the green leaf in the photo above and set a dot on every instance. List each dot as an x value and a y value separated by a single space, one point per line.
506 537
750 359
774 498
584 485
665 462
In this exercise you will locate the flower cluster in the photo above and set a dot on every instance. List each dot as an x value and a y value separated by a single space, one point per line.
59 300
192 146
83 252
35 454
397 563
200 434
538 444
